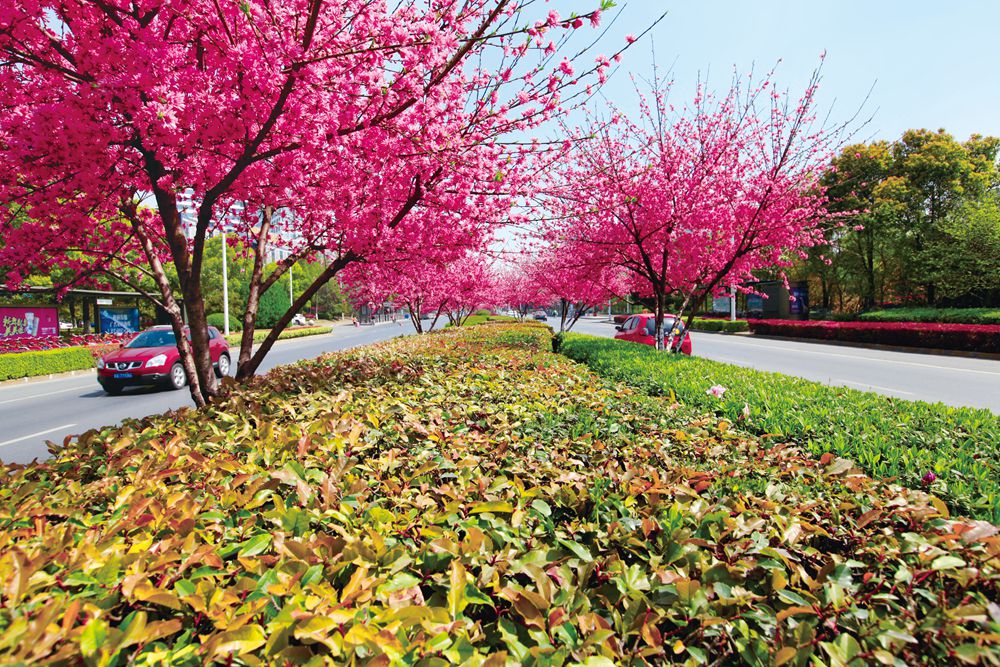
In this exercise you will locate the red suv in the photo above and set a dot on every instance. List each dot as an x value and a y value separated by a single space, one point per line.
642 329
151 358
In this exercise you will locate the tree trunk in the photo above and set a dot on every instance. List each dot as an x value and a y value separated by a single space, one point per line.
253 298
248 369
660 308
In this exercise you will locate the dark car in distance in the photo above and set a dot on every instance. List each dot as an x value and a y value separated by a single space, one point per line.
642 329
152 359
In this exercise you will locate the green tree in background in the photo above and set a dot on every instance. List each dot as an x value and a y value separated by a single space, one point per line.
963 260
916 223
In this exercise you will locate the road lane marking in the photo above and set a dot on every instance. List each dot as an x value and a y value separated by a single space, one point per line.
873 386
48 393
35 435
863 357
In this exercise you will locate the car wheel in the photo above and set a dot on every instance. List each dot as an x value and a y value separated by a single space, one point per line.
112 388
178 378
222 368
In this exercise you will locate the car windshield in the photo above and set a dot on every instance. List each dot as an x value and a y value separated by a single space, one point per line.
154 338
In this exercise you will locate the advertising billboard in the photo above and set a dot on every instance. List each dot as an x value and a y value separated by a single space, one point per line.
800 299
18 321
119 320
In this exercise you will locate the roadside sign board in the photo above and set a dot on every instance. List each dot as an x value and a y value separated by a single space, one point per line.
119 320
22 321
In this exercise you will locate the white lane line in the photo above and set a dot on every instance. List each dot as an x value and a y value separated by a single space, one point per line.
866 385
48 393
862 357
35 435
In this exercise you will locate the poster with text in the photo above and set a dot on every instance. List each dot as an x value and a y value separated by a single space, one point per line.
18 321
119 320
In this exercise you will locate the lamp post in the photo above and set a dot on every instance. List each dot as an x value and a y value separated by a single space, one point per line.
225 285
291 291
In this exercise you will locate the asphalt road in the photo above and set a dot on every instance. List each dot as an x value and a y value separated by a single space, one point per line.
33 413
957 381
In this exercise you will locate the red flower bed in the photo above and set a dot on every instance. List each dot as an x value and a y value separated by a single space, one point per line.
98 343
971 337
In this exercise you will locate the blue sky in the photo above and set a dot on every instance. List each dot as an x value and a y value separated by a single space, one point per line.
932 64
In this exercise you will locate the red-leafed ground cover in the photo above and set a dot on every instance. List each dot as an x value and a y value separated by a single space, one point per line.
96 342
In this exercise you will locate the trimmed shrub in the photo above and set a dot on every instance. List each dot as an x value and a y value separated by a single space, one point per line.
258 336
951 315
44 362
887 437
723 326
218 320
273 304
970 337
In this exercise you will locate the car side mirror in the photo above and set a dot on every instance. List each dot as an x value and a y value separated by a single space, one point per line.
618 327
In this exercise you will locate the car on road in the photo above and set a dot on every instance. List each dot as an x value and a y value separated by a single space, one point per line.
541 316
642 329
299 320
152 359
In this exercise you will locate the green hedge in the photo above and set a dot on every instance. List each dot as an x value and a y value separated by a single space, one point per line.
218 320
887 437
946 315
724 326
258 336
44 362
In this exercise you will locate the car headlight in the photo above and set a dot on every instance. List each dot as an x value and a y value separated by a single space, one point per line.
158 360
100 362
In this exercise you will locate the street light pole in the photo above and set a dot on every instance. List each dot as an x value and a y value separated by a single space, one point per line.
225 285
732 304
291 292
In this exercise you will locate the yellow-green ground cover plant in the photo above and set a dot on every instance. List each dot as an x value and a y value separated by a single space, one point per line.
471 498
952 452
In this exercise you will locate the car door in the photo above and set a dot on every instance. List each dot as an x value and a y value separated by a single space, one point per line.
216 344
647 331
633 331
623 333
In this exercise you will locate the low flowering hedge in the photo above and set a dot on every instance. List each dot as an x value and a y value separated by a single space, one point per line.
44 362
39 343
468 498
970 337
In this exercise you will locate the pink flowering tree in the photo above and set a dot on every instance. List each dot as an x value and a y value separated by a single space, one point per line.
317 125
422 286
514 288
469 284
414 285
569 278
691 201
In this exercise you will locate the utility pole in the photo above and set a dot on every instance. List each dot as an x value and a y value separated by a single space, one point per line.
225 284
732 304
